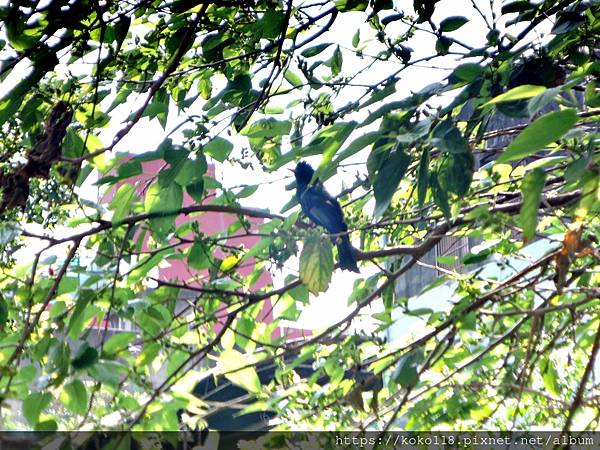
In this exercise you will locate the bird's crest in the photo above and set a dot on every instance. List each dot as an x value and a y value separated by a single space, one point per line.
304 172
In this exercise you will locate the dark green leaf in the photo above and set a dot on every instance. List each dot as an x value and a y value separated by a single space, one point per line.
46 425
456 172
3 312
466 72
336 61
517 6
270 25
196 190
567 21
406 372
442 45
474 258
447 137
440 196
388 179
351 5
423 180
86 356
452 23
314 51
531 188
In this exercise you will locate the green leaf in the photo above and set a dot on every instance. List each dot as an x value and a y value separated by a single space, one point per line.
357 145
8 232
474 258
452 23
336 61
466 72
192 171
162 202
122 202
34 404
271 24
145 265
267 128
199 255
543 131
543 99
148 354
455 173
448 138
316 264
75 398
550 377
518 93
46 425
423 180
196 190
327 142
387 180
3 311
118 342
351 5
442 45
218 148
567 21
516 6
531 188
231 360
108 372
86 356
314 51
356 39
406 372
440 196
292 78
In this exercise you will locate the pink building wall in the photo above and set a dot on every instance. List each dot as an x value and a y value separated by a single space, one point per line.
178 271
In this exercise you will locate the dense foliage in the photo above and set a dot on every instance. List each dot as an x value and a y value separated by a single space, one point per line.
255 86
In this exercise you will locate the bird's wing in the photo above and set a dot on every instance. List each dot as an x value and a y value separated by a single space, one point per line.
323 209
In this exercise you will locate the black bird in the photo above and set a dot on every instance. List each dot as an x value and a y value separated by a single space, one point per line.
324 210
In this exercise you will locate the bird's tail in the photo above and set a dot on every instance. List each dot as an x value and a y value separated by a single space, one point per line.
346 252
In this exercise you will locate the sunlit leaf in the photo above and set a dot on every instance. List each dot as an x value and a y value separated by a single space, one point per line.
543 131
316 264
